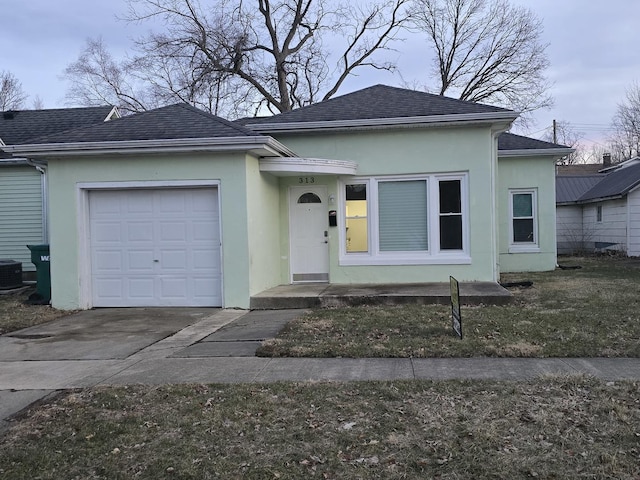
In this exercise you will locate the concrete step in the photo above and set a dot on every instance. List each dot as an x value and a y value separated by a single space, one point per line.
318 295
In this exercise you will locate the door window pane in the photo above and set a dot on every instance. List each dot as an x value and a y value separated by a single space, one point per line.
402 208
357 238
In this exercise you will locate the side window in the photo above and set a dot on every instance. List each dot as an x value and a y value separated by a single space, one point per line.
599 213
523 217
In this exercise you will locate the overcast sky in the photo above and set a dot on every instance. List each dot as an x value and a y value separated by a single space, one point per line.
594 50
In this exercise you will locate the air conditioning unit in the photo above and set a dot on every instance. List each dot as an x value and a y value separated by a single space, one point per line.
10 274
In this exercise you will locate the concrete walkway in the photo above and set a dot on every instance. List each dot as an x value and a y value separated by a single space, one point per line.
219 347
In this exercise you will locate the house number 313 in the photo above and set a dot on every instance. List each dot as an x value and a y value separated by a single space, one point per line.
306 179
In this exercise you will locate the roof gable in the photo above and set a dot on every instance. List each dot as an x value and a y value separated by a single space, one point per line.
378 102
615 184
21 126
178 121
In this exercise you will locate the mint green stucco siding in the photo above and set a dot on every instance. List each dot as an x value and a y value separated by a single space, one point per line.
419 151
537 173
248 204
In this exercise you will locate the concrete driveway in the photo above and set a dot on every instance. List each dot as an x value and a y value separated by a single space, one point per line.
102 334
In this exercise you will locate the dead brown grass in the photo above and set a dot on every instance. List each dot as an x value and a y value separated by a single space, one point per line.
15 314
551 428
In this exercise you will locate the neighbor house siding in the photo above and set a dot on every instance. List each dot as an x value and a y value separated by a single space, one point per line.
612 228
633 205
21 216
571 237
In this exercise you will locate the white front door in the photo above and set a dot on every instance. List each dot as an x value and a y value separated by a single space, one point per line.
309 234
155 247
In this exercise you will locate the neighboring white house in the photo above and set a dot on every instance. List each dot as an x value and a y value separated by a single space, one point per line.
600 212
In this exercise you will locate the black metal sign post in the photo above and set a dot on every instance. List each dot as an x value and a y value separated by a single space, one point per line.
456 318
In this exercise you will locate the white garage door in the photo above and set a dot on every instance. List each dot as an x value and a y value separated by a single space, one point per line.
157 247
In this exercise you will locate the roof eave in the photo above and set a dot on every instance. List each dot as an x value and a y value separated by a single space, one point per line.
602 199
396 122
260 145
536 152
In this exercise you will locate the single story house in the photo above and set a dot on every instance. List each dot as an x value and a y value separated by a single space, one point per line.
178 207
23 183
600 212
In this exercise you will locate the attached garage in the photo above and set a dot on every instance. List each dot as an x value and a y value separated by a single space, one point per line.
155 247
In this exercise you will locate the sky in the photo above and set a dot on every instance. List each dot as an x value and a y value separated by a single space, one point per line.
593 47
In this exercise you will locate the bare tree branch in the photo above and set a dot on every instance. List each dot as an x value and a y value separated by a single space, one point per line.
625 142
239 57
487 51
12 97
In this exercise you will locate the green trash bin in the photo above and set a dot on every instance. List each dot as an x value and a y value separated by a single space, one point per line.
40 258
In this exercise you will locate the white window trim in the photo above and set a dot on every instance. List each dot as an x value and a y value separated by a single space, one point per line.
524 247
433 256
599 213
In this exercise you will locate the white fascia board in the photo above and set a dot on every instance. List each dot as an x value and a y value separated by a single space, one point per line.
536 152
433 120
288 166
261 145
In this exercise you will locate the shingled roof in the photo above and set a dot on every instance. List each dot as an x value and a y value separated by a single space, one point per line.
21 126
615 184
510 141
377 102
179 121
587 188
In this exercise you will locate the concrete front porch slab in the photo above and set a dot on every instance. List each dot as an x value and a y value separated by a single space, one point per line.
310 295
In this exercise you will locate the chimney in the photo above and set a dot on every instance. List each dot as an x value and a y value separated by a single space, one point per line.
606 160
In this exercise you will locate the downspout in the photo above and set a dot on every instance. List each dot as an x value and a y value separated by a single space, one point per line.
42 168
496 131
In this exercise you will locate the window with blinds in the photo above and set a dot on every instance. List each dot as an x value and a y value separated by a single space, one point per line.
403 216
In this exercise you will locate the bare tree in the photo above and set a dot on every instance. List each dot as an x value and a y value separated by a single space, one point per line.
232 57
12 97
487 51
625 142
97 79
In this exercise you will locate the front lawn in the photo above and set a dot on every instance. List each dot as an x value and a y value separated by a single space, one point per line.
592 311
551 428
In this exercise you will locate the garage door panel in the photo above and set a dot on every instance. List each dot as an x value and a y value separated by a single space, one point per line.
174 230
140 261
139 231
136 202
139 288
110 288
173 260
155 247
107 232
109 260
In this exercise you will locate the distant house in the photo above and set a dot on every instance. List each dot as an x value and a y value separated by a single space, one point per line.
600 211
177 207
23 183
